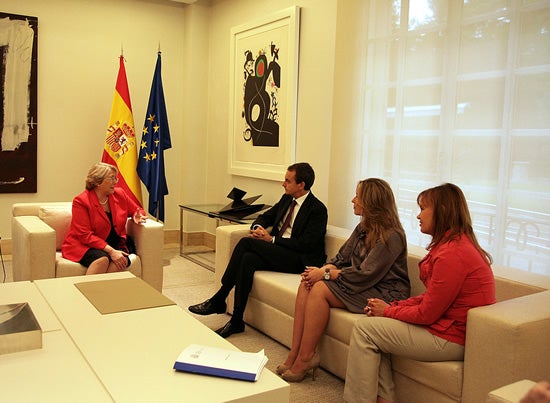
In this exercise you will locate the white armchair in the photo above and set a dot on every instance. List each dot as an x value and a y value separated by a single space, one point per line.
38 230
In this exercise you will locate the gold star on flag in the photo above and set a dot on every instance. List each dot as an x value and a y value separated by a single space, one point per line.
157 127
153 155
143 144
151 118
145 130
147 157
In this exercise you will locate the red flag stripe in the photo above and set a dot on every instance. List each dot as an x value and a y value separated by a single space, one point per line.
121 84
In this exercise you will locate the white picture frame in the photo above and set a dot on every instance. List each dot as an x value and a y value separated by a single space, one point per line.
263 95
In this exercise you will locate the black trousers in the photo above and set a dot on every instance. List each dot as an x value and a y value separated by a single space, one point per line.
248 256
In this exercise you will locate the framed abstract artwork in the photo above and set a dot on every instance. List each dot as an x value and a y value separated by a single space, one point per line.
263 95
18 112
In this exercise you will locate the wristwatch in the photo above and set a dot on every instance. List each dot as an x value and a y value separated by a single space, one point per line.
326 276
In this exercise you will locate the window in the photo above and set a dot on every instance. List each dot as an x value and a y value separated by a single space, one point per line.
460 92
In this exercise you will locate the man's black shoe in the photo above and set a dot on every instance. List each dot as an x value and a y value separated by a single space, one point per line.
208 308
230 328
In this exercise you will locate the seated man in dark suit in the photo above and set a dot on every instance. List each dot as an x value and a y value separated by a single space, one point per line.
297 240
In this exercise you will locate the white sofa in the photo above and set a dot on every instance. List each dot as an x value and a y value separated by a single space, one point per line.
505 342
38 230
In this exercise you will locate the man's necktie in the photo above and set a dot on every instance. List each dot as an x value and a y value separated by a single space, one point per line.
286 224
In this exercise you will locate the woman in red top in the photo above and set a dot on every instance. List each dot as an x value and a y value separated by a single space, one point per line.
97 236
431 326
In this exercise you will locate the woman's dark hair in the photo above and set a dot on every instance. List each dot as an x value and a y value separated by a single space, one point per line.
451 217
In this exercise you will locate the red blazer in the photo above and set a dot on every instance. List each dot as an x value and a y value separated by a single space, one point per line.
90 225
457 279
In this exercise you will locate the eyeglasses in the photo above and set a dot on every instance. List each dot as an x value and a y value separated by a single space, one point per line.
112 178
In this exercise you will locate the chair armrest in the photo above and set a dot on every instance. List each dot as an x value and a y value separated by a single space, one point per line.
149 239
506 342
227 237
33 248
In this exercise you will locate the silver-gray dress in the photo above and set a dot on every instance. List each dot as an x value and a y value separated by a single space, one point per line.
377 273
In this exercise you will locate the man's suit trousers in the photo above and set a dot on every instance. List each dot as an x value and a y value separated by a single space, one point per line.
250 255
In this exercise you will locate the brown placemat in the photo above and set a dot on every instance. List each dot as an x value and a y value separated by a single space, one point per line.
120 295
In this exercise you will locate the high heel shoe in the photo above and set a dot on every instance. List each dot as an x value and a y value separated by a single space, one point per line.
282 368
312 365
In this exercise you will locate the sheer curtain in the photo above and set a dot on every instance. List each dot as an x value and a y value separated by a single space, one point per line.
460 92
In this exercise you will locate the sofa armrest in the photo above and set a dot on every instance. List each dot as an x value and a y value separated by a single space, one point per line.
149 239
506 342
33 248
227 237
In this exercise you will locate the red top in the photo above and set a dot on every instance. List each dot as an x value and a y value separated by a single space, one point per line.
90 225
457 278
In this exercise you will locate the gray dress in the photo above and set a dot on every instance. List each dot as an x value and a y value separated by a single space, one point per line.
377 273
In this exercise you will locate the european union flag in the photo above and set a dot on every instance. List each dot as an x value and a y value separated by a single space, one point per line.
154 140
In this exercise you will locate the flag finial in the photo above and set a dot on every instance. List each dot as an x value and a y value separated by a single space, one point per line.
159 47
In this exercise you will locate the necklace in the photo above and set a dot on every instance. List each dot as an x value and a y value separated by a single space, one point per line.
104 202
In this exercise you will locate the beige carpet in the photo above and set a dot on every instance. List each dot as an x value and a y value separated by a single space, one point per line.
187 283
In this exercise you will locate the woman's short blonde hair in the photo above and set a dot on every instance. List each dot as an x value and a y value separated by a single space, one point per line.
97 174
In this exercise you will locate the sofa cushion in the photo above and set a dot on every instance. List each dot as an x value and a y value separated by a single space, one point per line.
59 218
341 324
276 289
67 268
442 376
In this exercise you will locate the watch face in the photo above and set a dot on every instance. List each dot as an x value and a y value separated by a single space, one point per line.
327 276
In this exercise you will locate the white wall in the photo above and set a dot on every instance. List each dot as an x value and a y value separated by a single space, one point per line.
80 40
328 131
314 110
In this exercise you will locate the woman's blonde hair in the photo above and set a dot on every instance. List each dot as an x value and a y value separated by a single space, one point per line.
380 216
97 174
451 217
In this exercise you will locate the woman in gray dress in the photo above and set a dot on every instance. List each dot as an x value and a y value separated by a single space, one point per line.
372 263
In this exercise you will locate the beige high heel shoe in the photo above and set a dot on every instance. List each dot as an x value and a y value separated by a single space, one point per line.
282 368
312 365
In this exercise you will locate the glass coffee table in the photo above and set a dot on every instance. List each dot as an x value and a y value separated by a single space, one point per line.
212 210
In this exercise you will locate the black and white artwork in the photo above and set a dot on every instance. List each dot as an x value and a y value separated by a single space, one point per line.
18 112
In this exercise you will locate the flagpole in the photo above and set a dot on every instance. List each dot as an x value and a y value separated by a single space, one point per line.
157 203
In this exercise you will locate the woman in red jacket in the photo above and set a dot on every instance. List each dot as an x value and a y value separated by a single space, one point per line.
431 326
97 236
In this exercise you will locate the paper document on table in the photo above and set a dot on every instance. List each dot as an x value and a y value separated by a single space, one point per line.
221 362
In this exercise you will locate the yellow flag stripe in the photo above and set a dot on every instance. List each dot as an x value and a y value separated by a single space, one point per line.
123 153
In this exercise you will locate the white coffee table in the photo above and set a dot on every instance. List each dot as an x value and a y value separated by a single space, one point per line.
132 353
55 373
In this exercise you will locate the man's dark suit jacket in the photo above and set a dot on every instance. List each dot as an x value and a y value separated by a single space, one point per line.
308 230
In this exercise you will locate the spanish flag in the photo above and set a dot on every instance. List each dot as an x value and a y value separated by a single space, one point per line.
120 141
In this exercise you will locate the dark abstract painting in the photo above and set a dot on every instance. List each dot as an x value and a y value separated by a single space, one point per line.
262 81
18 112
